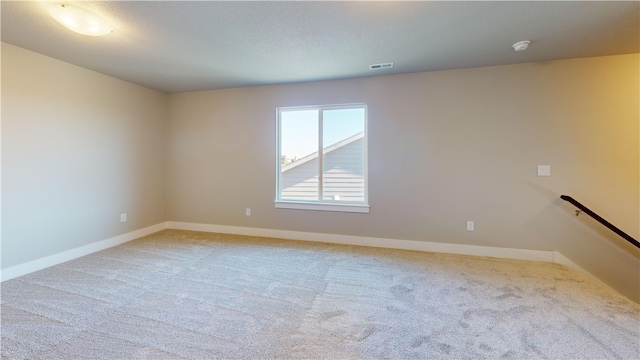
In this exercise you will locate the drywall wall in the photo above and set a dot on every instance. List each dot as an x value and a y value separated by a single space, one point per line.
444 147
78 149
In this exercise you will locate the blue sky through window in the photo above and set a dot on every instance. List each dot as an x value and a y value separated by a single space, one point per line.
299 129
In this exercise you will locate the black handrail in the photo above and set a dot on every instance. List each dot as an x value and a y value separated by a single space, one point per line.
600 220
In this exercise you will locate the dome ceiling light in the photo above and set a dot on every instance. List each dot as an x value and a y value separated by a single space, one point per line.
79 20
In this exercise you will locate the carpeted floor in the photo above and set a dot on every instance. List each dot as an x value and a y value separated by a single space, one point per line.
181 294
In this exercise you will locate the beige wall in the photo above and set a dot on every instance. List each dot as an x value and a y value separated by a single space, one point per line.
444 147
78 149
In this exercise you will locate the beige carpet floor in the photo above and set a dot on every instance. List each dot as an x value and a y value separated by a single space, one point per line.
190 295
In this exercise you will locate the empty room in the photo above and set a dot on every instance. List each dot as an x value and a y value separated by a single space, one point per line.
320 180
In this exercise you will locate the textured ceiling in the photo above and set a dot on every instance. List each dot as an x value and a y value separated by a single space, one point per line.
188 46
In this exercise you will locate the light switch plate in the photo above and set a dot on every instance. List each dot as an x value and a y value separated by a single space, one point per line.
544 170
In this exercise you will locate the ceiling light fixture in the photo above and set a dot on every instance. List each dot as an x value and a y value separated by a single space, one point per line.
521 45
79 20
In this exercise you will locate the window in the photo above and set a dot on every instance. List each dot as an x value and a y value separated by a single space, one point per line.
322 158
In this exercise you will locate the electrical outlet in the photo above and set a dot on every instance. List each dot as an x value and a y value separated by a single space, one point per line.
247 212
470 226
123 217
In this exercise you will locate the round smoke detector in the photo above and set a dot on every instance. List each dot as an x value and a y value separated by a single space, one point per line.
521 45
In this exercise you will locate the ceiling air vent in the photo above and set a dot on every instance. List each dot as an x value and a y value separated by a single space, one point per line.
380 66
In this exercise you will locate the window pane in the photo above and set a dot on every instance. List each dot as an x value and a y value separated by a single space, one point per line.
343 149
299 155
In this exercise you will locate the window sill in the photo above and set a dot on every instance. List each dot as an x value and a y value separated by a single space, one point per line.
353 208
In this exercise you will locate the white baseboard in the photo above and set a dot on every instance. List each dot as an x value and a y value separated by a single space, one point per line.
59 258
558 258
520 254
497 252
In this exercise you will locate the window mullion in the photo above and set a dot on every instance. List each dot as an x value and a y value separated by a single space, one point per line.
320 156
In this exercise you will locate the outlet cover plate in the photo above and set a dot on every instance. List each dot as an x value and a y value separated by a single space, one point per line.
470 226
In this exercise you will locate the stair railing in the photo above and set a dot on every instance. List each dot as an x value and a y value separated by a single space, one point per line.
599 219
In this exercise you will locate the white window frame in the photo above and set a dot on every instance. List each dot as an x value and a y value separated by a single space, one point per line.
322 205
